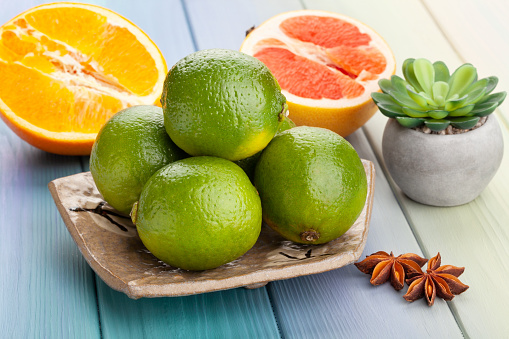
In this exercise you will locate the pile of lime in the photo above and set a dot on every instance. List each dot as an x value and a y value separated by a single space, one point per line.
201 174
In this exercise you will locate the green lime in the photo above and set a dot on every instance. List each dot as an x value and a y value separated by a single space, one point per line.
198 213
222 103
248 164
129 148
312 185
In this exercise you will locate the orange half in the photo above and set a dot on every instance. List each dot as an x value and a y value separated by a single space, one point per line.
66 68
327 65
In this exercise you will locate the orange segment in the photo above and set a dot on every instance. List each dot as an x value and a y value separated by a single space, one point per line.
40 104
66 68
327 65
77 27
119 57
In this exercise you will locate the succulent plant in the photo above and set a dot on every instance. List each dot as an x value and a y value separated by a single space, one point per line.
430 96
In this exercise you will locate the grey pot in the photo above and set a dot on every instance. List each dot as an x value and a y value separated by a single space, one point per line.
443 170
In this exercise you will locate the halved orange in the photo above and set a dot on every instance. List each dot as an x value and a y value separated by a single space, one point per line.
66 68
327 65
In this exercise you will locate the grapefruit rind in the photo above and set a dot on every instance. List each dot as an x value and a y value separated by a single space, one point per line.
343 116
271 29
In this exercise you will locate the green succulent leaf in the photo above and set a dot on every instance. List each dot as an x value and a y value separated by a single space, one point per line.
484 109
475 95
398 84
418 98
432 104
414 113
440 90
492 83
404 100
453 104
425 74
461 79
408 72
462 111
397 90
495 97
441 71
391 111
385 85
430 95
382 98
410 122
438 114
464 122
437 125
476 85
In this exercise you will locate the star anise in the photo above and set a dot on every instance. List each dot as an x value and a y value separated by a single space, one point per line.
383 266
438 280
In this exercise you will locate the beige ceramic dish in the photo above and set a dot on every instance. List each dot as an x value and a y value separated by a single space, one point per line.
111 246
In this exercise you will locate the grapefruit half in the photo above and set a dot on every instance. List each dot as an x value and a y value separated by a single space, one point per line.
327 65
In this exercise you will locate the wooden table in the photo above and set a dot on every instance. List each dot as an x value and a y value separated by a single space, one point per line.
47 290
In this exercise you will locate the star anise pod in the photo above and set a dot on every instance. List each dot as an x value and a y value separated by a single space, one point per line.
438 280
383 266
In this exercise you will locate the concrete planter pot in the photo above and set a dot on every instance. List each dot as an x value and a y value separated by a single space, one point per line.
442 170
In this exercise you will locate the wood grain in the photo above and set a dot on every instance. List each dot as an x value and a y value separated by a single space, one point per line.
48 290
332 304
46 287
473 235
238 313
361 310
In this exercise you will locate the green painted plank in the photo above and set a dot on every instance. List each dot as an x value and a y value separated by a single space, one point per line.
238 313
332 304
47 288
474 235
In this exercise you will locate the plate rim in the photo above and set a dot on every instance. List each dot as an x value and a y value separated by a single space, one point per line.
252 279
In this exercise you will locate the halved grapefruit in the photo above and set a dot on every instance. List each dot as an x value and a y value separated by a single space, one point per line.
327 65
66 68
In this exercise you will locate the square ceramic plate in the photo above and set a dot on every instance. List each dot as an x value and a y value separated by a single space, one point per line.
110 244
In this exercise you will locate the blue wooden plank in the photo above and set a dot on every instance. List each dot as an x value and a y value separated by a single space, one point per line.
223 23
47 288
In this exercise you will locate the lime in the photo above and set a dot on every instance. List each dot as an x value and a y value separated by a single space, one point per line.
198 213
222 103
129 148
312 185
248 164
